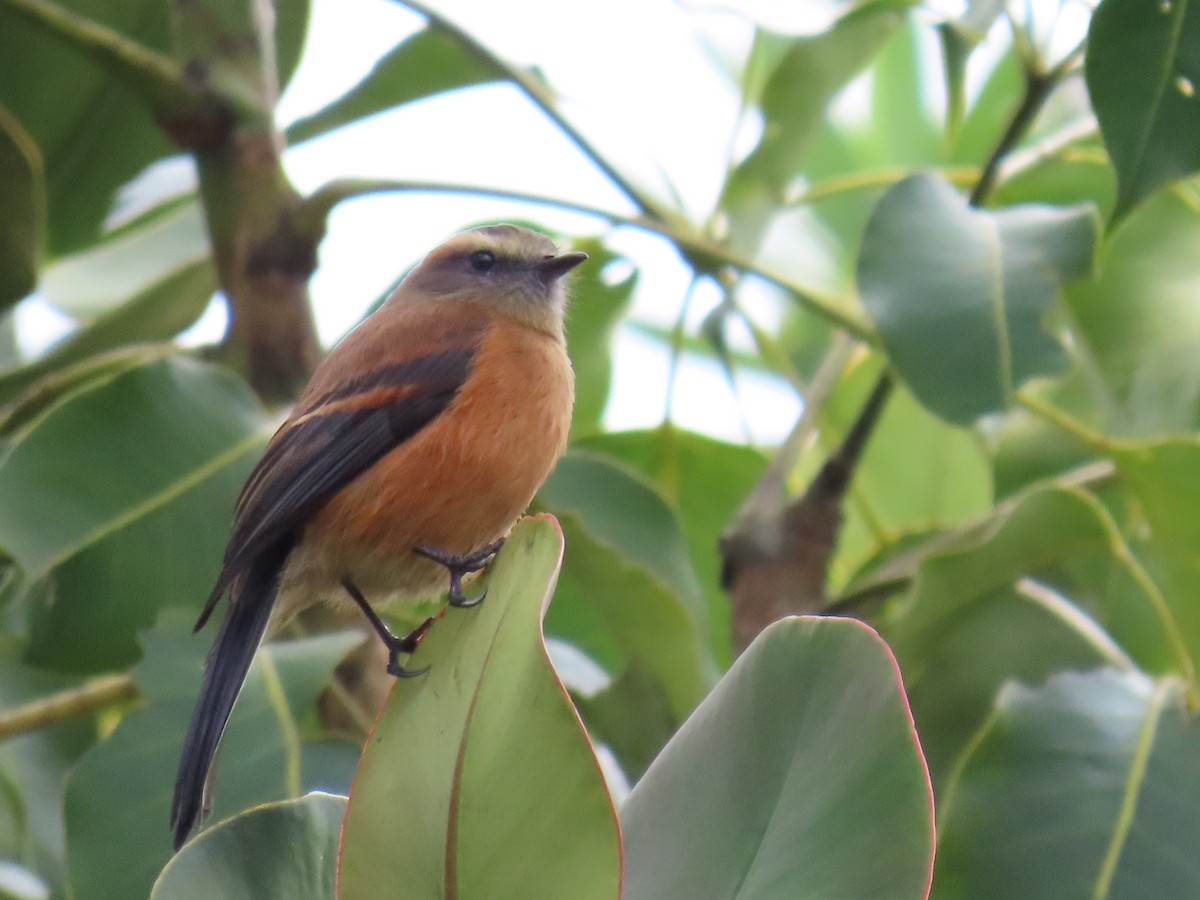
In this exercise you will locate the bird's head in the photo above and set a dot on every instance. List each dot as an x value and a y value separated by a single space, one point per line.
518 271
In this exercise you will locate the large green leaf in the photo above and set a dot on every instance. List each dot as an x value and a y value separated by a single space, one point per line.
1086 787
478 780
969 623
800 775
23 226
960 295
804 79
119 795
158 313
1140 322
1162 476
94 134
285 850
1143 72
132 261
628 591
705 481
430 62
120 494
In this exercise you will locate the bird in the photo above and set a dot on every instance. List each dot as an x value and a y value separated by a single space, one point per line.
418 443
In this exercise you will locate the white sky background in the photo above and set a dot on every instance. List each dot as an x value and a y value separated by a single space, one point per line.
643 79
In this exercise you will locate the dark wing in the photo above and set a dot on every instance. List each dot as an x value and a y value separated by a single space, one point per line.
318 452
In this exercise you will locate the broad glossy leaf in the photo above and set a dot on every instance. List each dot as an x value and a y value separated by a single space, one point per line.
705 481
1162 476
628 590
131 262
1140 321
962 630
120 493
105 455
430 62
119 795
794 98
621 615
22 228
598 301
94 134
1002 635
285 850
158 313
960 295
1143 74
478 780
1086 787
800 775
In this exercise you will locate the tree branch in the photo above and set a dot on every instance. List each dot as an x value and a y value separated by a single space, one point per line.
95 695
700 251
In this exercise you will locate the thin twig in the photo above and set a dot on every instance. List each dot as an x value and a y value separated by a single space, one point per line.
65 706
309 218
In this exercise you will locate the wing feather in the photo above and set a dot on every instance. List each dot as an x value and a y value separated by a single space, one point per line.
327 444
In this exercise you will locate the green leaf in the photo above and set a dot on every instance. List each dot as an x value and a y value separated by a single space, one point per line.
793 102
430 62
596 307
962 630
23 225
108 273
1143 74
960 295
156 314
1162 476
1087 787
628 590
93 133
499 792
151 432
705 482
632 716
800 775
1140 322
119 795
621 615
120 493
285 850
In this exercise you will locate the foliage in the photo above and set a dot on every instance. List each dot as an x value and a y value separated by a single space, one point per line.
1020 527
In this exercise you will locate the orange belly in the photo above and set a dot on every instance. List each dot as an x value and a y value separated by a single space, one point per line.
457 485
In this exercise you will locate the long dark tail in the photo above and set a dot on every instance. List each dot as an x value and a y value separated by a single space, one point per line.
224 673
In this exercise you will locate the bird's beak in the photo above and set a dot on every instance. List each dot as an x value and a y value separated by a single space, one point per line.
554 267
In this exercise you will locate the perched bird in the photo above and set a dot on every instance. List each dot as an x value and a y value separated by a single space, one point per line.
418 443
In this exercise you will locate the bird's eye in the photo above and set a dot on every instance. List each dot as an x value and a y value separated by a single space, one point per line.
482 261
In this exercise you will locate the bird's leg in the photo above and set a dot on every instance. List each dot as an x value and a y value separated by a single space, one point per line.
396 645
460 566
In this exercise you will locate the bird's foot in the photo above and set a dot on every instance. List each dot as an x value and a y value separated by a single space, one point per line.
395 645
406 645
460 565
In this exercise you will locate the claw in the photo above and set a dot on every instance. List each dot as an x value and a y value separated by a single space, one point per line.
460 565
395 645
